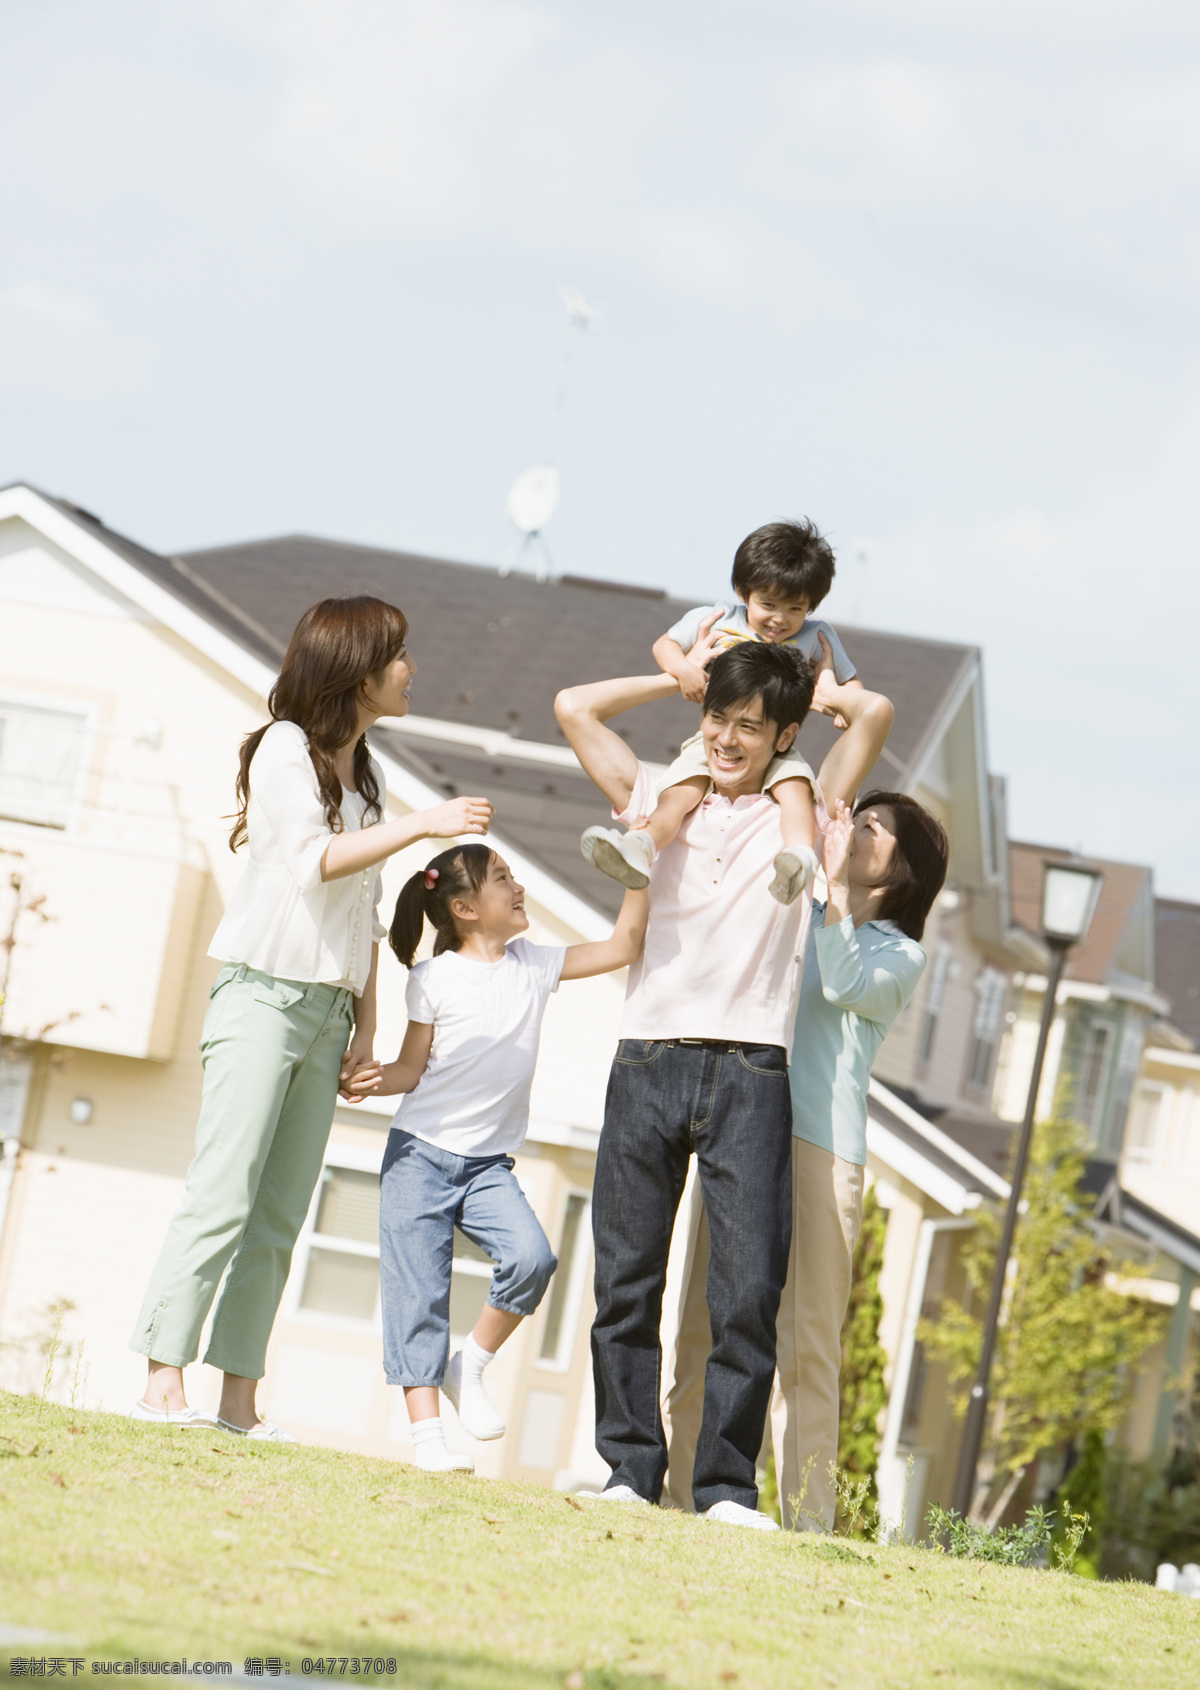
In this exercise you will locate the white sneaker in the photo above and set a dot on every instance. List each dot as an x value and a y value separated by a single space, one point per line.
729 1513
622 856
438 1459
620 1493
190 1419
262 1432
795 867
477 1413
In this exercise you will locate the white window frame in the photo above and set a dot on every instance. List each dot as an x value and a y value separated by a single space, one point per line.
1152 1155
577 1272
87 711
360 1159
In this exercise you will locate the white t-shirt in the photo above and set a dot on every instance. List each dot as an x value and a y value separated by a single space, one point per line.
473 1098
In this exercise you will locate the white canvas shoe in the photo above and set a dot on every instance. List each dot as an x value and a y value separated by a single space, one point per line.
625 857
436 1458
262 1432
795 868
477 1413
619 1493
729 1513
190 1419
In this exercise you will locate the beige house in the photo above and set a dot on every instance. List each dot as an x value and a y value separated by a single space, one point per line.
126 682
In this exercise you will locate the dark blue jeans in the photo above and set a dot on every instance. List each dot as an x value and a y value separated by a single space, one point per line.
730 1104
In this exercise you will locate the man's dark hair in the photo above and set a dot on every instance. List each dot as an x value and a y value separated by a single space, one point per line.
778 675
918 869
792 559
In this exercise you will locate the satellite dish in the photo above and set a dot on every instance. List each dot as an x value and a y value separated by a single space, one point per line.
533 499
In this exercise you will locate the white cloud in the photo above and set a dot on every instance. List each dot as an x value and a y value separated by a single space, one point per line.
59 345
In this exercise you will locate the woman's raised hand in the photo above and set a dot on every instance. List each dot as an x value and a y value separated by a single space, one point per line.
460 815
838 835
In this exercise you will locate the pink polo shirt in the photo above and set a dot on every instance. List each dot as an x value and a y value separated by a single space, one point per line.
722 959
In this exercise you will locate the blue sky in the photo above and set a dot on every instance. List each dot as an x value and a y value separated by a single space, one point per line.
927 272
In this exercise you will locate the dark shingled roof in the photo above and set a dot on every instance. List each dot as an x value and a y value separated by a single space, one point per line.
1177 961
493 652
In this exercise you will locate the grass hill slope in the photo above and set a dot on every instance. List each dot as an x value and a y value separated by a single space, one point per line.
123 1542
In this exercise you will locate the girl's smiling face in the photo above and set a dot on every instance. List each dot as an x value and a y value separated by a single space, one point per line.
497 910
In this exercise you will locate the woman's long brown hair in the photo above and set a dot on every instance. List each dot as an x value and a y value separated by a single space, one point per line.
337 646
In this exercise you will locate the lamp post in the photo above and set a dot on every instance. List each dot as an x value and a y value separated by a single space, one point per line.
1069 896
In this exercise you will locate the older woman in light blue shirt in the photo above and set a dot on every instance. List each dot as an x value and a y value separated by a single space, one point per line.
884 865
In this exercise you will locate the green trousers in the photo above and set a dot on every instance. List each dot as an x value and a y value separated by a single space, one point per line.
272 1052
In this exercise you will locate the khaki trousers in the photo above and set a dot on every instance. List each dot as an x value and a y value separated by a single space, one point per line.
827 1197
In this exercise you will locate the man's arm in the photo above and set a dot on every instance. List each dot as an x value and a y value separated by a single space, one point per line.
868 717
582 713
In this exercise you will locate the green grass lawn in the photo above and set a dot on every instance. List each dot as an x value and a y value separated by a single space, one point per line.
133 1541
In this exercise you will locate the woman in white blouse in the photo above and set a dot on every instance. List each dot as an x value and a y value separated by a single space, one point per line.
292 1012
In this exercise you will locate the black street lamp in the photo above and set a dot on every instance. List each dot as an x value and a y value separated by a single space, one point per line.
1069 896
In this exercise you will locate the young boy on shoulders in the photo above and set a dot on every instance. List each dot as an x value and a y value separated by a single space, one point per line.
781 573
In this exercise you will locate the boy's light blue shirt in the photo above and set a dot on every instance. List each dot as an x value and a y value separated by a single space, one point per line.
734 628
855 983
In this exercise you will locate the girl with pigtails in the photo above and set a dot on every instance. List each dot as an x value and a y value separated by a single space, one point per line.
291 1014
464 1074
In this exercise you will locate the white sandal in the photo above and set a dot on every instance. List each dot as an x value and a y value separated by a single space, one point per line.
262 1432
190 1419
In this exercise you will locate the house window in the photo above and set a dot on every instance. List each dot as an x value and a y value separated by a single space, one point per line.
990 989
566 1288
1146 1138
341 1275
1091 1072
41 757
933 1001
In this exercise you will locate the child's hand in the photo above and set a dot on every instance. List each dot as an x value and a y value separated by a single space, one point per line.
826 687
359 1080
838 836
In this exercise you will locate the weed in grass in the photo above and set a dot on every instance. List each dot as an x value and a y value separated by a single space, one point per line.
1006 1546
52 1349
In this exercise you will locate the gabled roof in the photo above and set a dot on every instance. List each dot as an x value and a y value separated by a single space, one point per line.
1177 962
927 1155
1115 945
491 653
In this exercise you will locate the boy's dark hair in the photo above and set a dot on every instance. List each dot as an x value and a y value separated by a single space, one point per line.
778 675
792 559
458 873
918 870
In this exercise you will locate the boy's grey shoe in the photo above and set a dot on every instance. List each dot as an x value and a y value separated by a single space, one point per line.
622 856
795 868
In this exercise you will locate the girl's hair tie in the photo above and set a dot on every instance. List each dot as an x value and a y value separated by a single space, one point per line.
431 875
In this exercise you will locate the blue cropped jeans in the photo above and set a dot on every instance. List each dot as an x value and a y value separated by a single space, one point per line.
425 1192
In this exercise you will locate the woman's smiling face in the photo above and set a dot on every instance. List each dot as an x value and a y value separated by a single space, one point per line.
873 846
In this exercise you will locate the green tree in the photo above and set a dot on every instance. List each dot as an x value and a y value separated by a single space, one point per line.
1068 1342
863 1360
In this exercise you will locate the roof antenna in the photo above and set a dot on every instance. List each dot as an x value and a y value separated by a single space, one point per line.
533 496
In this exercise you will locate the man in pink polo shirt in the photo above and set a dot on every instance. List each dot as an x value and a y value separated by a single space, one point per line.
702 1064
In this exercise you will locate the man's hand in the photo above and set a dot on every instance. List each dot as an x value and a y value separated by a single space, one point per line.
460 815
825 690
